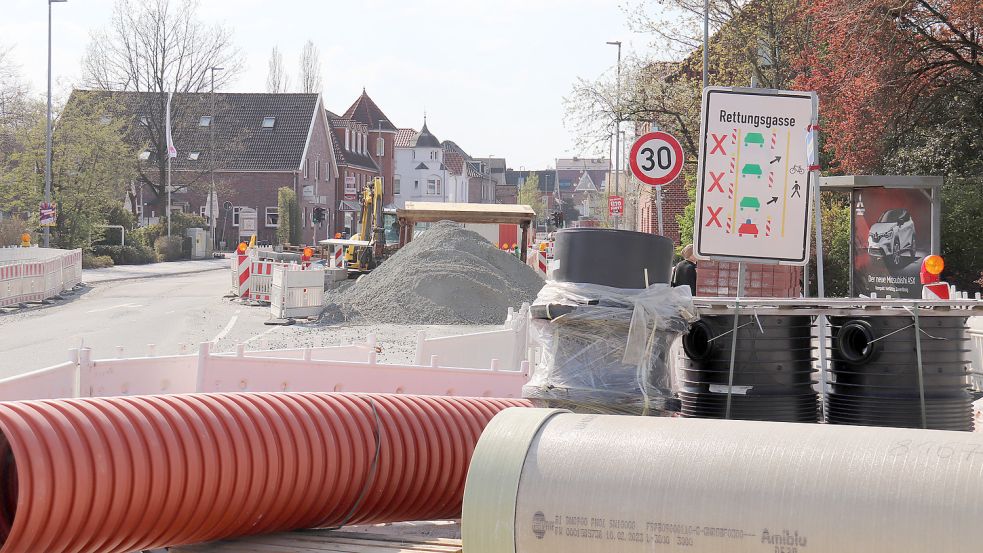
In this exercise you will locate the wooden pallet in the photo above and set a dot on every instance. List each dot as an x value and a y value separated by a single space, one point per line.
324 541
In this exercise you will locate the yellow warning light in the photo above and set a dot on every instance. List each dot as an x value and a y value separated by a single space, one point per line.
242 248
933 264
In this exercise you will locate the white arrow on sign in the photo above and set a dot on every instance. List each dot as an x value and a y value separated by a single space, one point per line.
656 158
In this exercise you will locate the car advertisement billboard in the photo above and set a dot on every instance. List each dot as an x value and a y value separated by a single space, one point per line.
892 234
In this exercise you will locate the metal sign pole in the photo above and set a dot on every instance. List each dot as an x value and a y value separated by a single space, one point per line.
658 207
733 338
820 280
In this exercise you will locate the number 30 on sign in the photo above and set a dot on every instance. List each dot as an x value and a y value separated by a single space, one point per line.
656 158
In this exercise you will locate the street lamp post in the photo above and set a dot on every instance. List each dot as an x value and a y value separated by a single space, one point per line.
617 124
212 198
47 140
706 39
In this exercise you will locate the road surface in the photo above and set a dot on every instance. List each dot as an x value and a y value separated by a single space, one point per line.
167 311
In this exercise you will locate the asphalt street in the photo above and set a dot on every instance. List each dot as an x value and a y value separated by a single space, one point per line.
131 308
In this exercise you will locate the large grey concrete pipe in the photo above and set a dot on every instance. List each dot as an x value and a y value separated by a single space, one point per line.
548 481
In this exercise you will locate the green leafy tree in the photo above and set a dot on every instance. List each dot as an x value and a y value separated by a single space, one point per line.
288 228
91 165
531 195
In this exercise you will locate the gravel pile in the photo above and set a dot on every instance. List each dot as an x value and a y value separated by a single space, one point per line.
446 275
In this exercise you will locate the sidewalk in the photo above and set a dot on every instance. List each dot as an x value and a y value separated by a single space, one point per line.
126 272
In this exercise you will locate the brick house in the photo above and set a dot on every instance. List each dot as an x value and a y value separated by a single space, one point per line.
262 142
382 140
356 168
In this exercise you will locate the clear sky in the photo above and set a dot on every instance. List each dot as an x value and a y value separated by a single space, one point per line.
491 74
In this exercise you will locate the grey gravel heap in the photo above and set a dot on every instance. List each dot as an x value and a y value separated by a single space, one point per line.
446 275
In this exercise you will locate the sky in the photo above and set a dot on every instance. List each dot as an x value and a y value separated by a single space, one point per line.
490 74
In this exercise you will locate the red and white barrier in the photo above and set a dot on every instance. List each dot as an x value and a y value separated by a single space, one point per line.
338 258
33 274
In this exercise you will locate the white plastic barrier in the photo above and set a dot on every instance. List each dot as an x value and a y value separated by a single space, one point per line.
49 383
33 274
257 374
502 349
177 374
295 292
347 368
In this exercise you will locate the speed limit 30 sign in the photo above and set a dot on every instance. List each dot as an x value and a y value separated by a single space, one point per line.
656 158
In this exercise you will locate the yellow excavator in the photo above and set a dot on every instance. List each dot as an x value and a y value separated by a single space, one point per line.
362 258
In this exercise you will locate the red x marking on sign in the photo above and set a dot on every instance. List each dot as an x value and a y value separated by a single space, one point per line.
716 181
713 216
718 143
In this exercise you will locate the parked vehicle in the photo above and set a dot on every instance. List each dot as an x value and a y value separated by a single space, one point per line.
892 235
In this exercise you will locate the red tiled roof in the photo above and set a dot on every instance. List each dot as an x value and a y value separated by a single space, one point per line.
364 110
406 138
454 162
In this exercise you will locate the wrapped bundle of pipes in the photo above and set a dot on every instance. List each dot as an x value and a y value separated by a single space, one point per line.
142 472
543 481
875 378
606 350
773 369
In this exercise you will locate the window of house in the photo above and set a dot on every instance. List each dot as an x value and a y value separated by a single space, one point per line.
347 141
205 121
438 186
201 211
235 215
396 185
144 155
380 147
317 169
416 185
269 122
431 186
307 164
273 217
193 156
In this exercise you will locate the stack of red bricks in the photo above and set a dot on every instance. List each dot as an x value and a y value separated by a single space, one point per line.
719 279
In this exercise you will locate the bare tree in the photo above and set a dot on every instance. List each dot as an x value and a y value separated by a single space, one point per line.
748 37
310 68
156 47
17 109
277 79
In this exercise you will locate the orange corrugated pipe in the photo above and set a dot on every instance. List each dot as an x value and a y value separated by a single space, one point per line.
131 473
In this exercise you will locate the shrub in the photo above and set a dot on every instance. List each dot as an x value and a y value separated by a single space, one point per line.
181 222
168 249
90 261
126 255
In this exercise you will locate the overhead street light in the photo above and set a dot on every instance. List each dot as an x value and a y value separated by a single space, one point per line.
47 139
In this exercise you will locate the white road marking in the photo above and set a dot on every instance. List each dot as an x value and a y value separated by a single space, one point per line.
120 306
260 335
227 328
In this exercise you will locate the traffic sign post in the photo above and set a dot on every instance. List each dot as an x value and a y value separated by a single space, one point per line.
656 159
755 183
616 206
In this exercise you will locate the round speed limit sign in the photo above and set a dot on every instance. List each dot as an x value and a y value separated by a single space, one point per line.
656 158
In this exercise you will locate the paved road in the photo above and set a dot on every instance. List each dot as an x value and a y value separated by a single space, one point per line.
164 310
